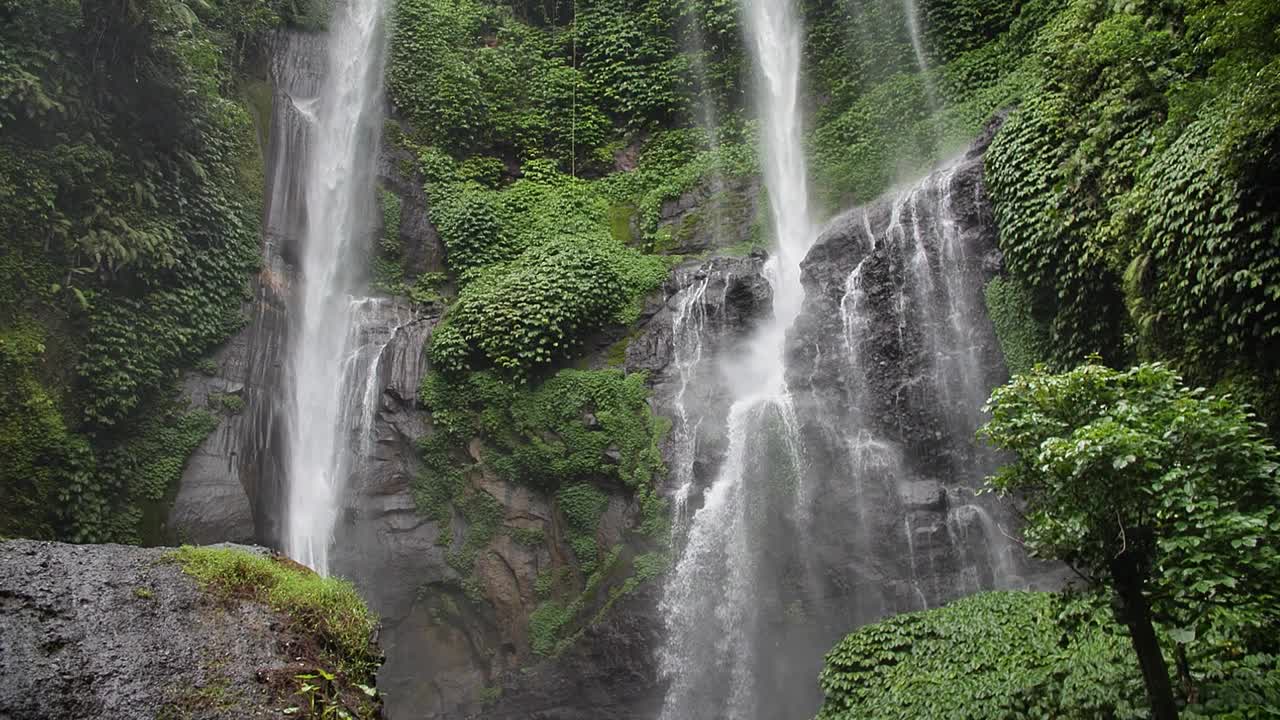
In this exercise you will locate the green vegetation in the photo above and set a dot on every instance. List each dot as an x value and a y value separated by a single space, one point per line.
566 436
1163 495
1163 499
1129 186
993 655
326 609
1005 655
545 626
130 193
576 436
1023 341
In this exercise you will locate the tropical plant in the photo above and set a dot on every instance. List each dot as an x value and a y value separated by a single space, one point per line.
1164 495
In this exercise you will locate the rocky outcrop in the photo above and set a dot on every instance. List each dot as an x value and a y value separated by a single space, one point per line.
705 311
891 360
422 250
382 543
112 631
609 673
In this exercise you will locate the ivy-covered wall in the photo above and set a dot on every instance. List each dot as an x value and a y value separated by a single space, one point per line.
130 197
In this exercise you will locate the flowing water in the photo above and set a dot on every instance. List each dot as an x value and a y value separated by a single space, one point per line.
329 357
711 604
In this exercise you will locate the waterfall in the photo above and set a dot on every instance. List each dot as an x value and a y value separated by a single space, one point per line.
712 604
328 356
687 333
915 366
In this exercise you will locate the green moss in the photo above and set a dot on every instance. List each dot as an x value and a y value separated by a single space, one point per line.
483 516
490 695
529 537
552 580
206 367
258 97
650 565
545 625
230 403
329 609
621 217
189 702
38 455
616 355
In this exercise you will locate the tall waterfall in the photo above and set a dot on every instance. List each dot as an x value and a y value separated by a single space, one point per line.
711 603
328 359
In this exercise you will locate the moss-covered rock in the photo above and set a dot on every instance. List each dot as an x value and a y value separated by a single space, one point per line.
226 632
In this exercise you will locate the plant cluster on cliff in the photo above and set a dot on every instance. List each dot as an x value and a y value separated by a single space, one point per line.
1159 494
130 195
1134 188
571 438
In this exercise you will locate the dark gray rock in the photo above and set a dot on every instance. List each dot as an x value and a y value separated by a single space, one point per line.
609 673
113 631
383 544
891 361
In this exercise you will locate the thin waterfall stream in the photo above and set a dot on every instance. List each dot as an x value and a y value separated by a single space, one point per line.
329 355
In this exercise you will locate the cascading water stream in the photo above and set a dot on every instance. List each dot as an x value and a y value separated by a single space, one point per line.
711 654
326 354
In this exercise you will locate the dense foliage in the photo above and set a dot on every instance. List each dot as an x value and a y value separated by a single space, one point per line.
1131 186
1006 655
1158 493
130 194
993 655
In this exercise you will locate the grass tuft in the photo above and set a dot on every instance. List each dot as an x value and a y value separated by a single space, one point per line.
329 609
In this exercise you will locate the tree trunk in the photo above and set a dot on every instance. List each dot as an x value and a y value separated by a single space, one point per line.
1128 582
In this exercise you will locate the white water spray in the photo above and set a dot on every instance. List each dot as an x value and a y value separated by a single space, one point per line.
710 656
325 351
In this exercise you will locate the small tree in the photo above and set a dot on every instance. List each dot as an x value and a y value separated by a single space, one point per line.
1163 494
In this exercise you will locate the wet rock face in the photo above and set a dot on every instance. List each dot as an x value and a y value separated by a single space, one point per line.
423 250
610 674
891 361
382 543
231 487
112 631
706 310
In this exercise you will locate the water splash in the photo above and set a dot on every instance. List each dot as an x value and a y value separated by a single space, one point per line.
688 328
344 122
710 656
